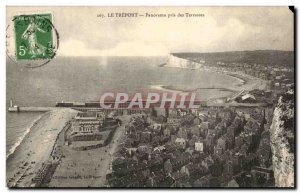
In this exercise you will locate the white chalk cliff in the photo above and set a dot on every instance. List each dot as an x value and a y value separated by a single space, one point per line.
174 61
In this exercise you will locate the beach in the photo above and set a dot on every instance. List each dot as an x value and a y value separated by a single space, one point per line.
245 83
35 149
87 168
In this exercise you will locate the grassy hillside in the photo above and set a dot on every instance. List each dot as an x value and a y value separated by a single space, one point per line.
268 57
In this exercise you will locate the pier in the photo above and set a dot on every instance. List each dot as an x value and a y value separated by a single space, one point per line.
16 108
46 109
31 109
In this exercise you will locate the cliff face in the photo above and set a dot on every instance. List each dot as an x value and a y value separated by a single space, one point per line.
174 61
282 141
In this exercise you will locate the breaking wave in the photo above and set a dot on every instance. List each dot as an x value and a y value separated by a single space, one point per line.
22 137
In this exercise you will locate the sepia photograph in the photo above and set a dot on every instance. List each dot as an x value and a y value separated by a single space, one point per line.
190 97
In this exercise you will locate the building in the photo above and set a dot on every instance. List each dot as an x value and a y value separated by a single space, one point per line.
173 119
199 146
88 122
85 125
181 142
248 98
157 127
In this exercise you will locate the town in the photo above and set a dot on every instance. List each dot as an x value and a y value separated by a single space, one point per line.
216 146
213 148
218 143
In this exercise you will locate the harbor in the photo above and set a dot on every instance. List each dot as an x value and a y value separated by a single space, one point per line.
97 107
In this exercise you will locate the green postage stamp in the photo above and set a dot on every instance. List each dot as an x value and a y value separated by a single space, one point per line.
34 37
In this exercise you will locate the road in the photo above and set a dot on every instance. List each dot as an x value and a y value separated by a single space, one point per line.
110 150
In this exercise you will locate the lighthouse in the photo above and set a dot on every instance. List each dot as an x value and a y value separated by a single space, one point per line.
13 108
11 103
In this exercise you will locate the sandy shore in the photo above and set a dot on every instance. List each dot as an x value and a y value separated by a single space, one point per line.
246 83
35 149
87 168
250 82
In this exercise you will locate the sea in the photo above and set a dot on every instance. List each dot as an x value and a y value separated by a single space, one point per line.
86 78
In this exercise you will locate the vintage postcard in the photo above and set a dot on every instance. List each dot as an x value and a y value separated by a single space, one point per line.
150 97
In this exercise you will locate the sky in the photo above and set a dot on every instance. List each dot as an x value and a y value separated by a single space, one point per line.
82 33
